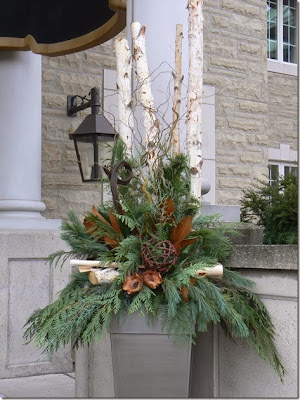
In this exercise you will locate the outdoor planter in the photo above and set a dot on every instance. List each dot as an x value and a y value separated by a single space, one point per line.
134 360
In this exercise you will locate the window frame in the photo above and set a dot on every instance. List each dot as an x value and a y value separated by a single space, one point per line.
281 167
278 65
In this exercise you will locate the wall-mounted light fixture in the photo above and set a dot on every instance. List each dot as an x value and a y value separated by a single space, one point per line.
91 137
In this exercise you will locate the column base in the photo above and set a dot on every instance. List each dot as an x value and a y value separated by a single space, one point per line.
28 223
25 215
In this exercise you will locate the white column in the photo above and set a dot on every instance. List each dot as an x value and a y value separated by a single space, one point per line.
20 142
160 18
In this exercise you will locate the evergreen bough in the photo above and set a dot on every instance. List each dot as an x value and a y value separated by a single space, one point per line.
84 311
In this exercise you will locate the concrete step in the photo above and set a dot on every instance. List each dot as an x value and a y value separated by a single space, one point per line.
41 386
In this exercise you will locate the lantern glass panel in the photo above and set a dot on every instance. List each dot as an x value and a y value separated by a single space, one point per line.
93 151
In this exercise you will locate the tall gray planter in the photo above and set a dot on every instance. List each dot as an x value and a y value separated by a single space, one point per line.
133 360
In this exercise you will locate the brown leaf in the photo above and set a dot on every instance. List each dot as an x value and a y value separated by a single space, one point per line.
172 234
167 210
177 246
187 242
114 222
90 226
110 242
96 212
184 294
184 227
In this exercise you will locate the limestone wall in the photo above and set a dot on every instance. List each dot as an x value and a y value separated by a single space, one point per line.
255 110
73 74
282 110
236 64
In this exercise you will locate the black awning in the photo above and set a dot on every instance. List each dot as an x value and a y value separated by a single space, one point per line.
59 26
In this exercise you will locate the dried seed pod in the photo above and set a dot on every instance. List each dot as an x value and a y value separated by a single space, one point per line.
152 279
133 284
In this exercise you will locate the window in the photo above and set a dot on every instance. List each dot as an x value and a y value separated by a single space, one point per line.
281 169
282 31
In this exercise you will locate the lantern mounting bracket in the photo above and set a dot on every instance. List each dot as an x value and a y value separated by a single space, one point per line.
93 102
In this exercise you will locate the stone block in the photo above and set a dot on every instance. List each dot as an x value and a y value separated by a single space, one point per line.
240 7
220 21
231 140
244 124
254 157
63 180
78 200
28 283
282 257
252 26
249 48
244 374
248 234
228 64
227 213
254 107
232 183
54 100
70 62
51 156
221 46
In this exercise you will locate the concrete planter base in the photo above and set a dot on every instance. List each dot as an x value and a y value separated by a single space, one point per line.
133 360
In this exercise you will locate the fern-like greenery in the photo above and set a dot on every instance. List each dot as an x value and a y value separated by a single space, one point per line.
157 208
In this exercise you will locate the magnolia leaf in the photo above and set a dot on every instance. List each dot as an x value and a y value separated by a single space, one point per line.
110 242
167 210
96 212
114 222
187 242
172 234
184 227
90 226
177 246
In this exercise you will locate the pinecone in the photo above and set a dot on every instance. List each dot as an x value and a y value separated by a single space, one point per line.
159 256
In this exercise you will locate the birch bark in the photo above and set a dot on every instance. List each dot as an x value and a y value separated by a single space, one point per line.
195 90
151 123
177 90
124 67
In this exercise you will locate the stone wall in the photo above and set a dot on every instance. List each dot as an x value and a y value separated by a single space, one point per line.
282 110
249 112
236 64
72 74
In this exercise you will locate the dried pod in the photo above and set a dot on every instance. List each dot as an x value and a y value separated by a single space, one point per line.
133 284
152 279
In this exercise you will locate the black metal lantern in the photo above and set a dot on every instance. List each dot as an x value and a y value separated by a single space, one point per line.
91 138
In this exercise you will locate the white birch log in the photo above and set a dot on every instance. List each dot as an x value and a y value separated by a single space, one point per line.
98 276
87 265
215 272
151 123
124 67
177 90
195 90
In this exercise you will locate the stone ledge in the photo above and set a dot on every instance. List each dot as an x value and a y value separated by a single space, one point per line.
279 257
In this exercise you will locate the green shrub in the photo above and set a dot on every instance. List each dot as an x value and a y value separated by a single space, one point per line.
275 207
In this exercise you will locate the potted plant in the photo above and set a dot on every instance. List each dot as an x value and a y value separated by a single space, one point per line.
150 253
149 256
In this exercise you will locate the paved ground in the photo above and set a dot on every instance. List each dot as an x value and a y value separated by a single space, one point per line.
41 386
